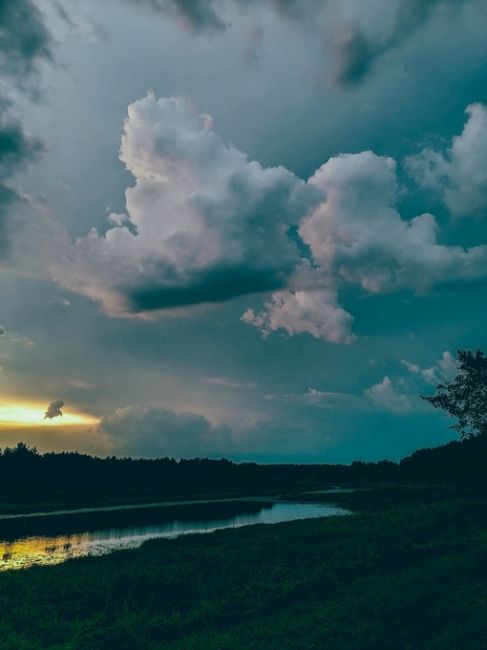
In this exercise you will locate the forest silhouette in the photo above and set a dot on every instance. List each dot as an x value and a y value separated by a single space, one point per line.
26 475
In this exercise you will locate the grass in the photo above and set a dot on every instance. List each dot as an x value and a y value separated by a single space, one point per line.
406 574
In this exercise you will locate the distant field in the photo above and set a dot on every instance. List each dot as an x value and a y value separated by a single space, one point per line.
405 572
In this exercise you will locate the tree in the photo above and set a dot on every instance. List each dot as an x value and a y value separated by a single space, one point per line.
465 398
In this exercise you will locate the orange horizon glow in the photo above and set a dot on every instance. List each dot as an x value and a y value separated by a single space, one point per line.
31 414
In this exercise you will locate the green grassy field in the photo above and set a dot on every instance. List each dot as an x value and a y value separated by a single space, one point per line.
397 575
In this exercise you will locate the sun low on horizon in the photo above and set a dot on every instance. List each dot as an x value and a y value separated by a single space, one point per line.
21 413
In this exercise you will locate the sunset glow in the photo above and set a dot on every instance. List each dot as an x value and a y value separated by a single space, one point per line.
32 414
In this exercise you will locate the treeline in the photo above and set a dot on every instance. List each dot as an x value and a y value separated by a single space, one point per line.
24 472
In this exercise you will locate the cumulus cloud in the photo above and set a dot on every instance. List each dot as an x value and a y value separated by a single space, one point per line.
312 312
208 224
458 176
155 431
385 396
357 234
54 409
203 224
442 370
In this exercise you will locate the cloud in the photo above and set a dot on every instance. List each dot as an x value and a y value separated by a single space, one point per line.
79 383
385 396
208 224
368 32
358 236
54 409
144 430
358 35
458 176
204 224
196 15
17 150
24 39
443 370
321 399
24 43
312 312
228 382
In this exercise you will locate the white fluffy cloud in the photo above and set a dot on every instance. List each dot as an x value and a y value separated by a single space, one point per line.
443 370
386 397
459 175
313 312
203 224
206 224
155 431
357 235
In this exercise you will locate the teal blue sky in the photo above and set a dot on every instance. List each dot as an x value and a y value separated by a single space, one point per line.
256 230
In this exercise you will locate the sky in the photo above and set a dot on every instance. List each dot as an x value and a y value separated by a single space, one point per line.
246 229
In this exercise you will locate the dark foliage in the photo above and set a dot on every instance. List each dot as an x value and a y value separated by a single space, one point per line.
465 398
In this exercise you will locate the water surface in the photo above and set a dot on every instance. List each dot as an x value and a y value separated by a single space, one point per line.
51 539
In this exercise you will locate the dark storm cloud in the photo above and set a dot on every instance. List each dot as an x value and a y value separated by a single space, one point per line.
24 40
356 55
354 47
54 409
24 43
217 285
16 148
357 51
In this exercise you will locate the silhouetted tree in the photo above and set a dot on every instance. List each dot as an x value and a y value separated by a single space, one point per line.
465 398
21 450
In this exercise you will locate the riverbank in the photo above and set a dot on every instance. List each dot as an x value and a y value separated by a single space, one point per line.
406 575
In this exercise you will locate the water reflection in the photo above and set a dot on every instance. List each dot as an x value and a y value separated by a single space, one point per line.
29 550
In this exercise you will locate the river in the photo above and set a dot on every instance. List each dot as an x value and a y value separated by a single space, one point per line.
51 538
